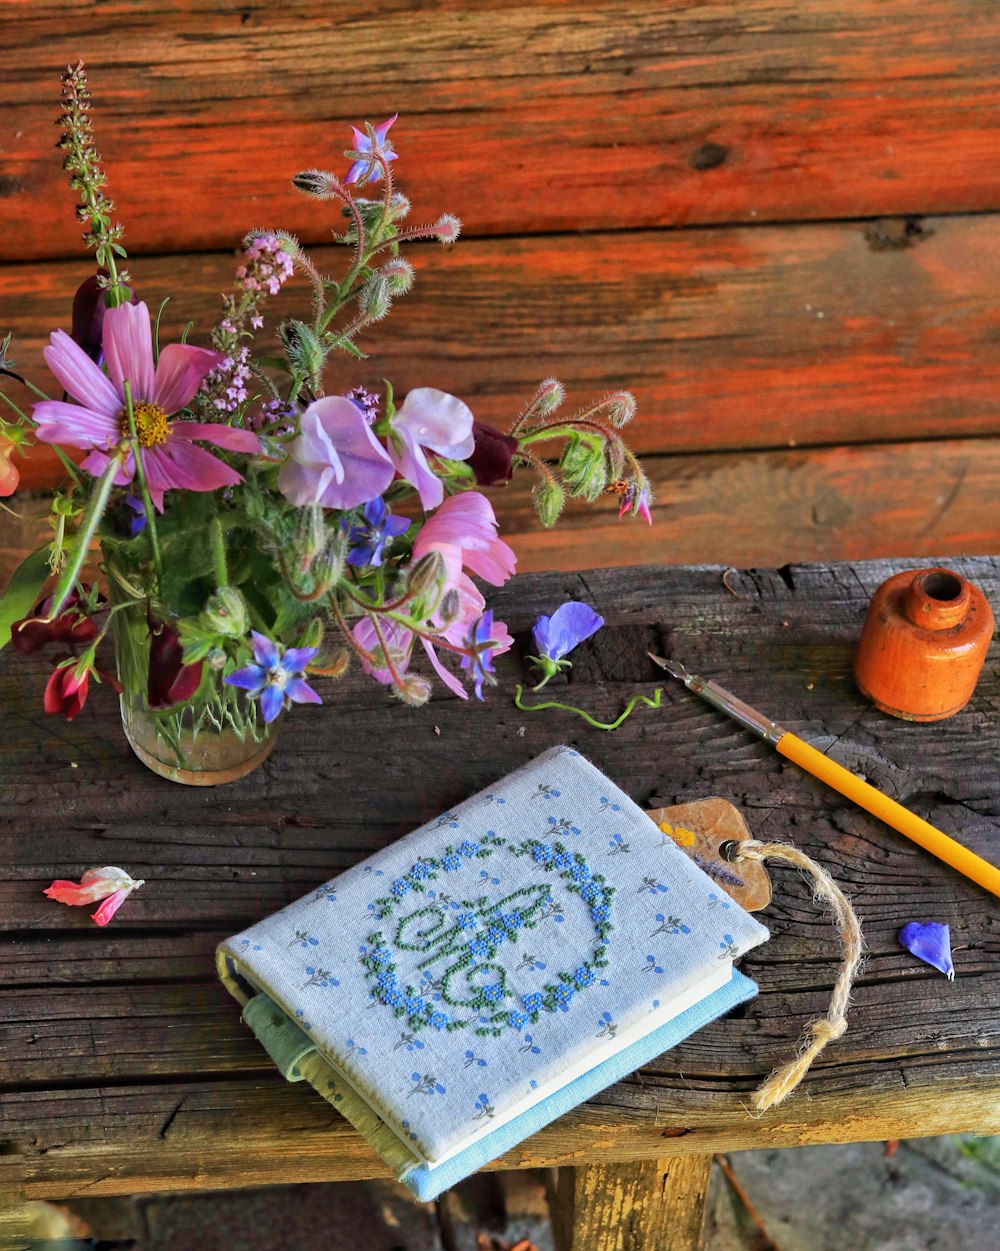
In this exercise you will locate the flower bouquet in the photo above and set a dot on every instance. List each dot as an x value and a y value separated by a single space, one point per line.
258 526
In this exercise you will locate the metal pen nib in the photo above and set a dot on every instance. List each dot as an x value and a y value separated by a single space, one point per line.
722 699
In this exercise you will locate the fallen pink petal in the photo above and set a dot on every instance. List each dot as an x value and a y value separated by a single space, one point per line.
111 884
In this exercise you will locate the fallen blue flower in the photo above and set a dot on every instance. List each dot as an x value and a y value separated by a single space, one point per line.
930 942
556 636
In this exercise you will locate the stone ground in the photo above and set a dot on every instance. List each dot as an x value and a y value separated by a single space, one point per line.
933 1194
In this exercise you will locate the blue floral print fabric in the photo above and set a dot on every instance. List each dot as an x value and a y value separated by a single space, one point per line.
460 973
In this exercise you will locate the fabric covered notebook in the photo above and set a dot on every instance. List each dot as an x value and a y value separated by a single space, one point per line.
462 988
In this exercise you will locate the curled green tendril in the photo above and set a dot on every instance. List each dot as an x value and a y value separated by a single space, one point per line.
598 725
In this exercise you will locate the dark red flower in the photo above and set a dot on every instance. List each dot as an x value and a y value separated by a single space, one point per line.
171 681
492 458
88 315
65 692
71 626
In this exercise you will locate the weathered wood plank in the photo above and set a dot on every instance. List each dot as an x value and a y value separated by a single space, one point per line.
222 1135
741 509
919 1056
731 338
571 115
139 1031
632 1207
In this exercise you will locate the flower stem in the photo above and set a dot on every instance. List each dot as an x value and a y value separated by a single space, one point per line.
140 474
88 528
219 552
598 725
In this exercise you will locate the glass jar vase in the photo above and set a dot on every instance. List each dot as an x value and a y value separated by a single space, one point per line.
215 733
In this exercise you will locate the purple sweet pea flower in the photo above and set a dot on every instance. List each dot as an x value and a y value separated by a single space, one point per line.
931 942
336 461
276 676
557 635
381 527
367 146
436 421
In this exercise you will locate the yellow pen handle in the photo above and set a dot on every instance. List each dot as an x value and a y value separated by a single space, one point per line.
887 810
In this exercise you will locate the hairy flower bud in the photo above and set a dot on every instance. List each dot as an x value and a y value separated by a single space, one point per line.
551 394
450 607
413 690
302 347
309 536
329 564
399 206
621 407
549 500
226 613
375 299
313 636
448 228
318 183
398 274
426 582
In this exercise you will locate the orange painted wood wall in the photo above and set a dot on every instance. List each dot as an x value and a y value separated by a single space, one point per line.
777 221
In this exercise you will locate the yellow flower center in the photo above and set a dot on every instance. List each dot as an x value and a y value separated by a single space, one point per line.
151 424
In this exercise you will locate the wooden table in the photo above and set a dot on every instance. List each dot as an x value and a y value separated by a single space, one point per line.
125 1065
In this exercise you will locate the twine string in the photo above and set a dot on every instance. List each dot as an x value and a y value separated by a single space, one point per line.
826 1029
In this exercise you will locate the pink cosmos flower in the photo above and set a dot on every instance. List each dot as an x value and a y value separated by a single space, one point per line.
336 461
97 422
464 531
110 884
434 420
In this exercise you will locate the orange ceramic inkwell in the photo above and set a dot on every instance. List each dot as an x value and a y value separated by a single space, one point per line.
923 644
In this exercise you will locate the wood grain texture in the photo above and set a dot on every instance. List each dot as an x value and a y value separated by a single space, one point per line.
730 338
638 1206
517 116
755 508
126 1067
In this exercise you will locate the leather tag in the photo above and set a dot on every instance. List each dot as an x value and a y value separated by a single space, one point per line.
699 829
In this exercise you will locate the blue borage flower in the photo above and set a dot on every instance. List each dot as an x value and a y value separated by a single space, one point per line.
276 676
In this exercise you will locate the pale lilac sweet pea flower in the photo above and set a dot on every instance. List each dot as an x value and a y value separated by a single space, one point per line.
97 422
276 676
336 461
111 884
432 420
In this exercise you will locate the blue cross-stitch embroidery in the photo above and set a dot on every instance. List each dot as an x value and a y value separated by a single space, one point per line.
460 954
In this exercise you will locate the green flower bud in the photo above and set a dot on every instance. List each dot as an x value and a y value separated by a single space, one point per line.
308 537
313 636
426 582
549 500
375 299
303 349
450 607
226 613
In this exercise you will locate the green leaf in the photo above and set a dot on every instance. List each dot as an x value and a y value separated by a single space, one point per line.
347 346
23 590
